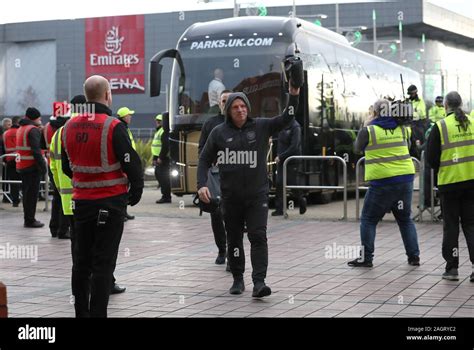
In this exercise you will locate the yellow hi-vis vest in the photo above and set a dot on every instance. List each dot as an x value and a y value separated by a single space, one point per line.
457 151
437 113
130 135
156 144
387 153
419 109
62 181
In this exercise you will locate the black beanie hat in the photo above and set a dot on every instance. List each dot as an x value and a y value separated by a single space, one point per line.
32 113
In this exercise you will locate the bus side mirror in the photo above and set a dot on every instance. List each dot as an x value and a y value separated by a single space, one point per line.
155 78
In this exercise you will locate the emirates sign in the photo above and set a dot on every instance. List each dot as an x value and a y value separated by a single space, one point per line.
115 49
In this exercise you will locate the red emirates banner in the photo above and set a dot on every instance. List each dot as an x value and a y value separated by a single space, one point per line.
115 49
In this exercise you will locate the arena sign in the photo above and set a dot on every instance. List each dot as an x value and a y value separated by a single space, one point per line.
115 48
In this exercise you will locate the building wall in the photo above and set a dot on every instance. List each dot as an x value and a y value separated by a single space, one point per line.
161 32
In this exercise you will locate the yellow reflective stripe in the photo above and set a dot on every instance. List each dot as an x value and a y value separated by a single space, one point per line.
387 159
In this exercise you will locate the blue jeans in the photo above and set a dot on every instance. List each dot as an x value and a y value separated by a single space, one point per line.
379 200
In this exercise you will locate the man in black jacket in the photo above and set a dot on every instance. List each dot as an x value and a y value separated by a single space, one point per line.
217 221
99 221
31 175
241 146
289 144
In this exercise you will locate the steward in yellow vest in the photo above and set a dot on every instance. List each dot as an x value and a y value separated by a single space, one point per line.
161 160
437 112
125 115
390 171
450 150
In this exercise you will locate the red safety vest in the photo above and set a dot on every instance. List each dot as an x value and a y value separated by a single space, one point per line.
48 133
23 148
96 171
9 141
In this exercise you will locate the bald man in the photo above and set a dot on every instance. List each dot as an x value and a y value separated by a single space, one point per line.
106 175
216 86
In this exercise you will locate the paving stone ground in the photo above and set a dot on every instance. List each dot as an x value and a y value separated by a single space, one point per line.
166 261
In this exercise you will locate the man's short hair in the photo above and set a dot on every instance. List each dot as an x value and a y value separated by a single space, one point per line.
6 120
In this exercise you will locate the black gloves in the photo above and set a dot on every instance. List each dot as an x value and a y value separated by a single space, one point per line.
294 71
134 196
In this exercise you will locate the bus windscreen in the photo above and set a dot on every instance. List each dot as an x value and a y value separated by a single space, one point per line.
255 71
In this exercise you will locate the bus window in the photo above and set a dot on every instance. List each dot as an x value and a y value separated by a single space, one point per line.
254 71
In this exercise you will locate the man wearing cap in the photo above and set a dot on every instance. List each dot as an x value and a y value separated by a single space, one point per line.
161 160
30 164
239 147
420 122
437 112
125 116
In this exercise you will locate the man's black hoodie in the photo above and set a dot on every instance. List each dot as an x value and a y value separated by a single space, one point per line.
240 177
34 137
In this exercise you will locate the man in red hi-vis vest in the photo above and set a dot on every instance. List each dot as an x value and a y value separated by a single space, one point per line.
106 175
9 140
30 163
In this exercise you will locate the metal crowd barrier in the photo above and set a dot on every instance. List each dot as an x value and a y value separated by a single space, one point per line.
419 189
344 187
45 182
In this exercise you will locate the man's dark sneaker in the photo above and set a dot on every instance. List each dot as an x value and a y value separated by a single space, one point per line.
238 287
303 205
66 235
451 275
472 277
220 260
414 260
163 200
16 204
5 200
227 268
277 213
360 263
261 290
129 217
34 224
54 233
116 289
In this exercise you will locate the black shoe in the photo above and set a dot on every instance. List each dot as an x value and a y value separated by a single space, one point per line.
227 268
34 224
238 287
261 290
303 206
54 233
451 275
125 219
472 277
414 260
163 200
116 289
129 217
16 204
66 235
220 260
277 213
5 200
359 263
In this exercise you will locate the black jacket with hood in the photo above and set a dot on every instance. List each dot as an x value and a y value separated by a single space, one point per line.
241 153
